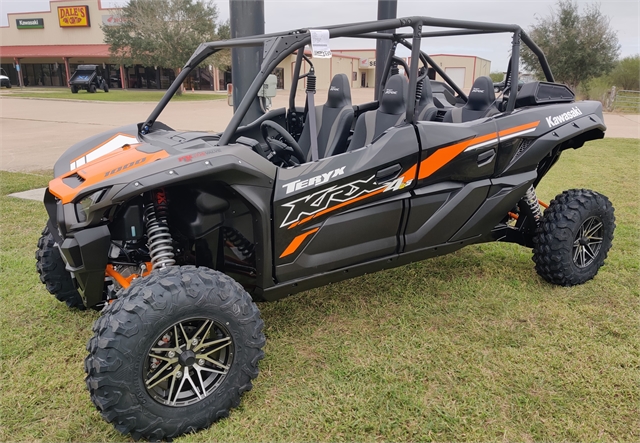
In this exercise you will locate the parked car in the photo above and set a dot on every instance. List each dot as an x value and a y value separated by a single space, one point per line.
4 79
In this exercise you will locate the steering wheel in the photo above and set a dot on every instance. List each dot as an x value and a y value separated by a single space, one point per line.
287 138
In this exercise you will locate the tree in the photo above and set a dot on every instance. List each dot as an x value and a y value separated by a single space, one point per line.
626 74
161 32
577 46
497 76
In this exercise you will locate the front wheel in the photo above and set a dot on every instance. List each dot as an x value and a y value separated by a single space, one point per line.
174 352
53 273
574 237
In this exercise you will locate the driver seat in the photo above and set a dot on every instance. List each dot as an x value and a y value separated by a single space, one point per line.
333 121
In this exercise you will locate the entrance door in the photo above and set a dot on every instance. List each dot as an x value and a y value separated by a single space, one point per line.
363 80
457 75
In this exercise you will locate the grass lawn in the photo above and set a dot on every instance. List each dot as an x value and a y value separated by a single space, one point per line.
114 95
471 346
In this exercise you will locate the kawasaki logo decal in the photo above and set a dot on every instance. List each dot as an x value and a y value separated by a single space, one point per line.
558 119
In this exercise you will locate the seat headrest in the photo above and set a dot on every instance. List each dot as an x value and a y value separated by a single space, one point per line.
482 95
393 99
339 92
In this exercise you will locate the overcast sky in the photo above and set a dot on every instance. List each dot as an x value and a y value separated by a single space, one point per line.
281 15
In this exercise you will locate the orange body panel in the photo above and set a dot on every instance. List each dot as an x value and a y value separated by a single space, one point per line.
121 160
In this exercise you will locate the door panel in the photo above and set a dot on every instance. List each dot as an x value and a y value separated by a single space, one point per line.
310 199
439 211
351 237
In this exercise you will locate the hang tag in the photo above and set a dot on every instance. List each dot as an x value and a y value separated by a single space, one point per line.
320 43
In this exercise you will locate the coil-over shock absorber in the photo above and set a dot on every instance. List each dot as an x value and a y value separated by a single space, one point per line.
239 241
159 239
531 200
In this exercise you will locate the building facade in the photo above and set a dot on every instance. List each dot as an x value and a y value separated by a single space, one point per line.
44 48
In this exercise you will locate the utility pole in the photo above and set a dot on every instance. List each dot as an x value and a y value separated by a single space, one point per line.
247 18
386 9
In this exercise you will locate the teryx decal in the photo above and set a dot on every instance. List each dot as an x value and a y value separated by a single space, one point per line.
313 181
558 119
335 197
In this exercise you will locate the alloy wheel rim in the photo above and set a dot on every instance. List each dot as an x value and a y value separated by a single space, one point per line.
188 361
588 242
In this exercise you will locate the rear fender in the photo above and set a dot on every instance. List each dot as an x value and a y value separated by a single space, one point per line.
570 135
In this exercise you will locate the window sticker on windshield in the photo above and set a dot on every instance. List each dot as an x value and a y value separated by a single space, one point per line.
320 43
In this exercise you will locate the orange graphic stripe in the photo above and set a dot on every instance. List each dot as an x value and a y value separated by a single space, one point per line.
295 244
444 155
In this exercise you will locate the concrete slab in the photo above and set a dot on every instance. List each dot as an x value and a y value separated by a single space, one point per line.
33 194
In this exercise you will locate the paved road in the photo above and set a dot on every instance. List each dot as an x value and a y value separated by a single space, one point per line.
34 133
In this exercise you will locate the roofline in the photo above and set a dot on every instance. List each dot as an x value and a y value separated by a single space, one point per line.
459 55
51 10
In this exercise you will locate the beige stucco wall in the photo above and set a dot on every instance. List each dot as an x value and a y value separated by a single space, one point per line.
325 70
474 67
53 34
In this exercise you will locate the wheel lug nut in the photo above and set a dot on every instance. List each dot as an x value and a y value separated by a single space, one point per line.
171 354
179 374
201 362
194 341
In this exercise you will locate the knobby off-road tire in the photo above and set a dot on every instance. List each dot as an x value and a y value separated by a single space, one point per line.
53 274
74 89
574 237
154 329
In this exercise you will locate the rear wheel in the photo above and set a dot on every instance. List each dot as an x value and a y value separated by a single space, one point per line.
105 86
574 237
174 352
53 274
74 89
92 88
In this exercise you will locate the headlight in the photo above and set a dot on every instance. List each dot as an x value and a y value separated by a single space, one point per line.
82 208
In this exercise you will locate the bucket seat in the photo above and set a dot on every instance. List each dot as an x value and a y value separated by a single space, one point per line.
391 112
481 103
426 109
333 121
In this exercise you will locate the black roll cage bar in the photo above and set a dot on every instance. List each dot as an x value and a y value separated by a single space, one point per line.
278 46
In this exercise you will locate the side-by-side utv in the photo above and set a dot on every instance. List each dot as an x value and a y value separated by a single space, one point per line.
176 234
87 77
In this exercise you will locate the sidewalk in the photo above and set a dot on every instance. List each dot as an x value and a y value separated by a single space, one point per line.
34 133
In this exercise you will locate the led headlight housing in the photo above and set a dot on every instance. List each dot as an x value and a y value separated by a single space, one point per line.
82 207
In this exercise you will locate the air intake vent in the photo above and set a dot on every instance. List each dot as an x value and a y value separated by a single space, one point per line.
542 93
73 181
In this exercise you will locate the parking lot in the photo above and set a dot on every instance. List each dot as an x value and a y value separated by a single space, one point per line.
35 132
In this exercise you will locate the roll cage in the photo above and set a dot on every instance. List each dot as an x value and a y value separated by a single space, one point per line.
277 46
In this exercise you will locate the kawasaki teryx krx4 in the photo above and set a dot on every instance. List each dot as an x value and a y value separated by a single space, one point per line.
177 234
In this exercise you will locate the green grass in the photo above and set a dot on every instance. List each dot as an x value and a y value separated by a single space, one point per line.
113 95
471 346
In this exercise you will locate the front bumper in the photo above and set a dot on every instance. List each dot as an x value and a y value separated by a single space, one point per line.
85 252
